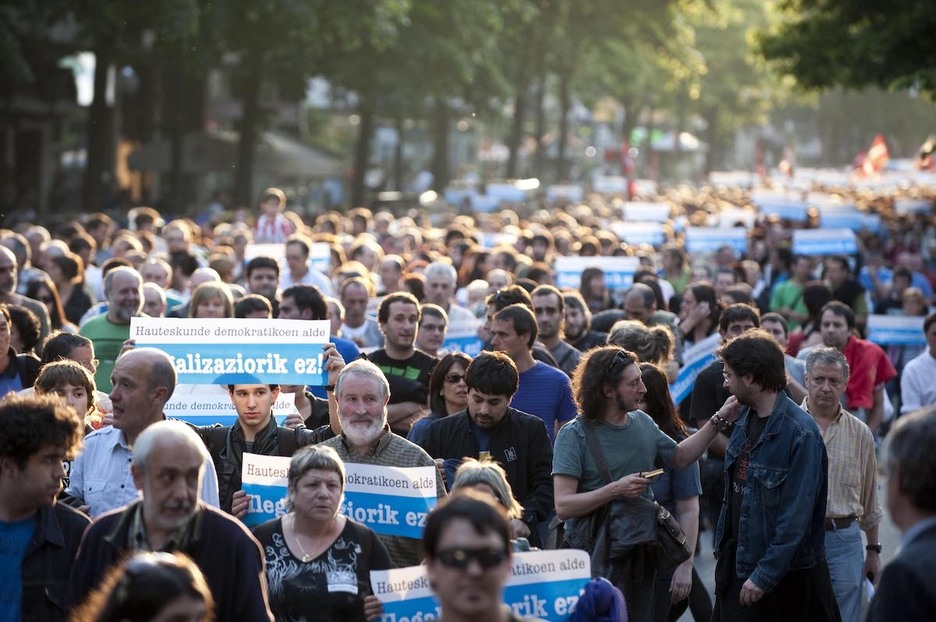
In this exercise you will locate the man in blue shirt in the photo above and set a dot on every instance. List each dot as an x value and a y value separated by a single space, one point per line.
38 537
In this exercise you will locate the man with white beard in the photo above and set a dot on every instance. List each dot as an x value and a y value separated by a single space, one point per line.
362 391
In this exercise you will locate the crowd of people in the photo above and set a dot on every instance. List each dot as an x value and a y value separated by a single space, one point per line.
557 404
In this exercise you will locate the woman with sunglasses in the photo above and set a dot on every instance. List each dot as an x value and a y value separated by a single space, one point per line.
318 561
448 393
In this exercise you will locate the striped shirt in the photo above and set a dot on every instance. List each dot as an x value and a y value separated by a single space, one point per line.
395 451
852 470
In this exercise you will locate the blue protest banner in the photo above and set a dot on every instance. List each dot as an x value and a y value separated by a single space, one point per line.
635 233
824 242
462 336
785 208
542 584
695 358
618 271
238 351
710 239
263 478
645 211
390 500
216 407
896 330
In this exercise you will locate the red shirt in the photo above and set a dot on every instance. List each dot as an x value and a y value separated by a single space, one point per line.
868 367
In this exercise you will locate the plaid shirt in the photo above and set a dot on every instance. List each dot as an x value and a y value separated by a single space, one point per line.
852 470
395 451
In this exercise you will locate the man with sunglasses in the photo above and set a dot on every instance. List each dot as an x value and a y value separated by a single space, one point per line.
489 427
467 545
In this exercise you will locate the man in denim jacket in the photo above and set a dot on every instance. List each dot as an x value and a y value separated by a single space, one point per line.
770 536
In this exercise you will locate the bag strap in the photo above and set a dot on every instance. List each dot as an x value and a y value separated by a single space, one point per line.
595 448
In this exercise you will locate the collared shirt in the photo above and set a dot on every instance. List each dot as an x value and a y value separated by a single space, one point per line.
852 469
869 367
100 476
139 541
395 451
919 527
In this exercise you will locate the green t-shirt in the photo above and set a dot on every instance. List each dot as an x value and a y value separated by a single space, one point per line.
789 294
639 445
107 338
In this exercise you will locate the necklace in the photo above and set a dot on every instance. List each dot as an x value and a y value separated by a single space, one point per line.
306 558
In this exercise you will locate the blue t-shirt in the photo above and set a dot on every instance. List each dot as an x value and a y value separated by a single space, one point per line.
14 538
545 392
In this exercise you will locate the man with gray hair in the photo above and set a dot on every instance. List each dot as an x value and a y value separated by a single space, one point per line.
907 591
100 480
852 503
9 276
123 288
168 467
363 392
441 280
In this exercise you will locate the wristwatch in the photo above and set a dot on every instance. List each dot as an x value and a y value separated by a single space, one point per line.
877 548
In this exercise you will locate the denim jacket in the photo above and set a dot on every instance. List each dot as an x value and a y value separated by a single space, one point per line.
782 523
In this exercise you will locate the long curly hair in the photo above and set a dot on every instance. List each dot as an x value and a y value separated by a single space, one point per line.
595 370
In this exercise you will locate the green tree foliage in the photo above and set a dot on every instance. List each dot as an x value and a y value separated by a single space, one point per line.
855 43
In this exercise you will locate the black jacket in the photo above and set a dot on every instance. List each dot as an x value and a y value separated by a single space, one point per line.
519 443
226 445
48 561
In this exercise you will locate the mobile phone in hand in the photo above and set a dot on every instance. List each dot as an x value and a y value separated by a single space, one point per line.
651 474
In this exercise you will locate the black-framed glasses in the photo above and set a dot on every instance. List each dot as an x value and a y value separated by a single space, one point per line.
454 378
621 356
462 558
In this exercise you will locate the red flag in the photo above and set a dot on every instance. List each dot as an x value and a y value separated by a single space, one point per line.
877 157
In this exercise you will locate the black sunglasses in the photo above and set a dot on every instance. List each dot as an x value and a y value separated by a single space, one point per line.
454 378
461 558
620 356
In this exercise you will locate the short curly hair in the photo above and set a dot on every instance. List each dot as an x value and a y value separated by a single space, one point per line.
29 423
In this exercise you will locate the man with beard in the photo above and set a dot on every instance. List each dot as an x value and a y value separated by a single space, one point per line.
578 332
99 480
770 540
489 428
363 392
123 288
168 466
406 368
608 388
39 536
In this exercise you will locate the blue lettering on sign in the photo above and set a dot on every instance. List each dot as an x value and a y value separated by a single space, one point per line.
388 514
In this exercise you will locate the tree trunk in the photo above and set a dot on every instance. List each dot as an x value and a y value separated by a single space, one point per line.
539 163
362 152
516 132
99 131
441 167
565 102
398 154
183 115
247 145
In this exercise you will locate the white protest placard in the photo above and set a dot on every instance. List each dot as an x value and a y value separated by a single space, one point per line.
505 192
571 192
848 219
320 257
896 330
209 408
645 211
492 239
696 357
732 179
824 242
913 206
732 216
635 233
264 479
610 184
238 351
783 207
542 584
462 336
710 239
618 271
390 500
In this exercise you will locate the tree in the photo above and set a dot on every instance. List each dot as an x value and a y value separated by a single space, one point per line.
855 43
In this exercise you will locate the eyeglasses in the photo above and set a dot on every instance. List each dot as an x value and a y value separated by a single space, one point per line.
620 356
454 378
462 558
92 364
